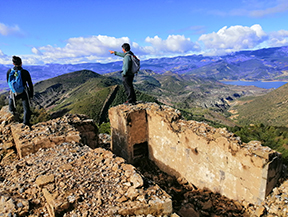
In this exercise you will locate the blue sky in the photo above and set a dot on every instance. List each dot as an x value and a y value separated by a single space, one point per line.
77 31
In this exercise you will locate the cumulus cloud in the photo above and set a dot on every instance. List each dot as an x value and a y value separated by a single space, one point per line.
9 30
234 38
279 38
94 45
95 48
81 49
173 44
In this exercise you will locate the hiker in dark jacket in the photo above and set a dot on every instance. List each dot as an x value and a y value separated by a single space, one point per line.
26 95
127 74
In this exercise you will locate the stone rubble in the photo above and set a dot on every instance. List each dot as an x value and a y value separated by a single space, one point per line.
74 180
70 128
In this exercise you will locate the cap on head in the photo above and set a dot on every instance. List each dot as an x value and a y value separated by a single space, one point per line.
16 61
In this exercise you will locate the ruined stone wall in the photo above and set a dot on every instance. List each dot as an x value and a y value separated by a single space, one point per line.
203 155
70 128
129 129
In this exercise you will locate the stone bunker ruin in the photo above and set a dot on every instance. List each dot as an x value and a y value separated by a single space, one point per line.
205 156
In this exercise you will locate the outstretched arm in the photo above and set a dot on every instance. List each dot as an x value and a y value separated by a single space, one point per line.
117 53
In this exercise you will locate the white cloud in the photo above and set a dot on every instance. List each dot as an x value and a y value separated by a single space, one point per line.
173 44
80 49
96 48
4 59
94 45
8 30
36 51
234 38
279 38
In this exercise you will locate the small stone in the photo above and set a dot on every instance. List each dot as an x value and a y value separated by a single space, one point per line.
44 180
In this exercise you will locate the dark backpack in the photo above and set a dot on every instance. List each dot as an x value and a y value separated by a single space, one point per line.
135 64
15 82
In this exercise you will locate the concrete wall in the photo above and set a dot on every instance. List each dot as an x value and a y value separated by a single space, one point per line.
205 156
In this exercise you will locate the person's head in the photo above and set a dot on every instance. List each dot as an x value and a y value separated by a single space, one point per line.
126 47
16 61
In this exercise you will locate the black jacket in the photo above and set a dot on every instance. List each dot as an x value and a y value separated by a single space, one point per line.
26 78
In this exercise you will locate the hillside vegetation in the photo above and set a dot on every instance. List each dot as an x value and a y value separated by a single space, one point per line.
274 137
93 94
188 91
264 118
89 93
82 92
270 109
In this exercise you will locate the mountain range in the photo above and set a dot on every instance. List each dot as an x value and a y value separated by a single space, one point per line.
263 64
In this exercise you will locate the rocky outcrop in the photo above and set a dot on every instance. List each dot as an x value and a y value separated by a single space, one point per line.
61 171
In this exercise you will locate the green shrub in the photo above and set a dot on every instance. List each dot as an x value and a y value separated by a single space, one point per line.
275 138
39 115
105 128
3 101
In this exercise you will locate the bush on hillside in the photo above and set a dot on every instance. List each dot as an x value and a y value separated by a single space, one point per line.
274 137
37 115
105 128
3 101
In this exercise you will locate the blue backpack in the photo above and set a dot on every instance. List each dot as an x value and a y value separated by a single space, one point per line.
15 82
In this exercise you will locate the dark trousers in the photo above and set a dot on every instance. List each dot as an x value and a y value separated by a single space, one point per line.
26 107
129 89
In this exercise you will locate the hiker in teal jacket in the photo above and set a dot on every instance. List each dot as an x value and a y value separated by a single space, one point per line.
127 74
